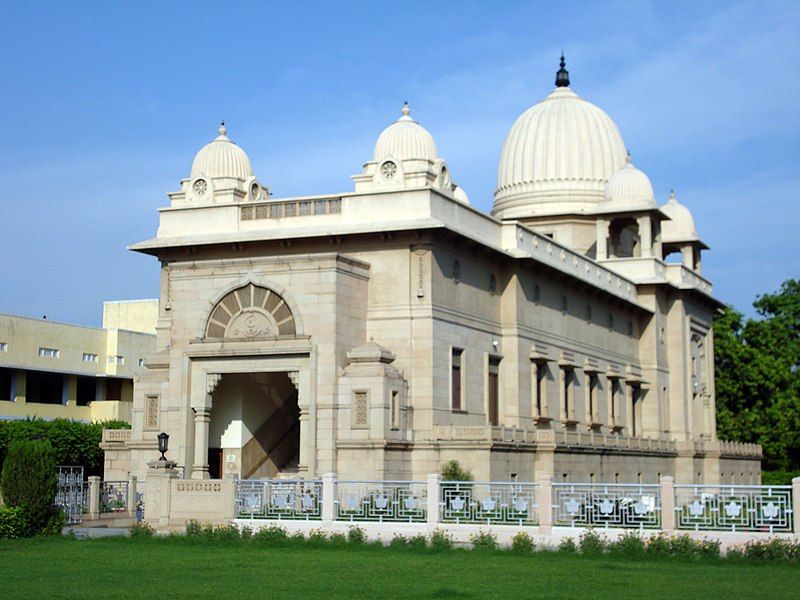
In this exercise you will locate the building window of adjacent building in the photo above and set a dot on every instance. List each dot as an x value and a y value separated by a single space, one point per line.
114 389
493 391
44 388
86 390
89 357
141 362
456 375
116 360
5 384
4 347
49 352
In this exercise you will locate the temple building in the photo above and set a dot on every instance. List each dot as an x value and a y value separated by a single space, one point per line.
380 332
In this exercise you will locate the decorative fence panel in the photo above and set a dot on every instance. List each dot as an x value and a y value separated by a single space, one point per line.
113 496
734 507
488 503
279 499
72 493
397 501
607 505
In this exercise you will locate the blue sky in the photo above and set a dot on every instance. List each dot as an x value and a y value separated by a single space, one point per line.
104 105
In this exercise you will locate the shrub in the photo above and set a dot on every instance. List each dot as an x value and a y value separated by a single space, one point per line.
682 546
629 545
246 532
483 540
55 524
270 535
141 531
568 546
29 481
708 548
73 442
193 529
418 542
773 550
399 541
440 540
13 523
356 535
522 543
592 544
453 471
297 536
338 539
317 537
658 545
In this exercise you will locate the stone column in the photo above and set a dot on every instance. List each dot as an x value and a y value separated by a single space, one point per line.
667 503
545 501
158 492
602 239
329 497
94 498
202 421
132 497
645 236
686 256
434 509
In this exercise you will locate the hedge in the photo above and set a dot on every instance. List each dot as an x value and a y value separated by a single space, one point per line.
13 523
73 442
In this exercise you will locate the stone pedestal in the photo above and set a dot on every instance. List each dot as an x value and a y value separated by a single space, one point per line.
157 492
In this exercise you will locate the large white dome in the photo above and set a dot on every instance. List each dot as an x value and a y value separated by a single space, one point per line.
221 158
558 157
405 139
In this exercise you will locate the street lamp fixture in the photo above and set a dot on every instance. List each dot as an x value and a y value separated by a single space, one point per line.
163 444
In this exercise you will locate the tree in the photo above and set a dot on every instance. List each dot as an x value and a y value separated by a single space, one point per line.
758 376
29 481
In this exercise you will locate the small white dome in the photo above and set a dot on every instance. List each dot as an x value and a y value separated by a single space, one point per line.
460 195
221 158
680 227
405 139
630 187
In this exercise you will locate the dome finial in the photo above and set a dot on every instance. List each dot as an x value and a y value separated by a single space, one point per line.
628 157
222 129
562 76
672 195
406 110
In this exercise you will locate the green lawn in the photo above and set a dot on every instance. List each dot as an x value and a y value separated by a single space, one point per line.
166 568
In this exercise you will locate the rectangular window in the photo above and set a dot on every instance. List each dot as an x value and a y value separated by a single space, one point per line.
114 389
592 392
5 384
89 357
493 391
566 394
116 360
539 389
635 397
4 347
141 362
394 409
455 378
612 401
44 388
49 352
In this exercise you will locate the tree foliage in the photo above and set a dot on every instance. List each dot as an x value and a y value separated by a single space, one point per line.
73 442
29 481
757 365
453 471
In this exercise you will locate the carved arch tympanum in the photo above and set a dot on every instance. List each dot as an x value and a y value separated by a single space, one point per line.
250 311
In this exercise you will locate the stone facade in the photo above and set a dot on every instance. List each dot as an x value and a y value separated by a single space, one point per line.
384 331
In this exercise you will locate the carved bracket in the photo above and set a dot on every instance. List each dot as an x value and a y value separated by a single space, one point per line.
212 381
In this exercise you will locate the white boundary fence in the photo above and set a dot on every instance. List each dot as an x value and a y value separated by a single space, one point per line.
767 508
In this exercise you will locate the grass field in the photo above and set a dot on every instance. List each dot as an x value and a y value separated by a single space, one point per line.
174 567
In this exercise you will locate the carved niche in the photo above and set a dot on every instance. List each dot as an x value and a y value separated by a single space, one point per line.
249 312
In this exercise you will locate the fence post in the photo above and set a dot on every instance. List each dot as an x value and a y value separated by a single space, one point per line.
132 497
434 509
668 503
545 501
94 497
329 497
796 504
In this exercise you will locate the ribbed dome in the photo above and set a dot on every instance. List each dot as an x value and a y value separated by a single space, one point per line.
563 149
629 187
221 158
680 227
405 139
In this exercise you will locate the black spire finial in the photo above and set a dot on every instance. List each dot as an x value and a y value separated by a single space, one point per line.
562 76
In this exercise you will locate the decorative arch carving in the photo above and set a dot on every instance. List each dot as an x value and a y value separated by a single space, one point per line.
250 311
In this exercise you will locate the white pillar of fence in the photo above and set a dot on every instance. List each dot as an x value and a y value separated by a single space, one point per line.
545 501
328 496
796 504
94 497
433 481
132 497
667 503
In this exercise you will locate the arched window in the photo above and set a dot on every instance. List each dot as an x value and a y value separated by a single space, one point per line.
250 311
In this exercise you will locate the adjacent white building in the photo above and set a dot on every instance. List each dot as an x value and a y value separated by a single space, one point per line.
379 332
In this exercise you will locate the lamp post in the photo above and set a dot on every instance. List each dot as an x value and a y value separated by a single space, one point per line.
163 444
